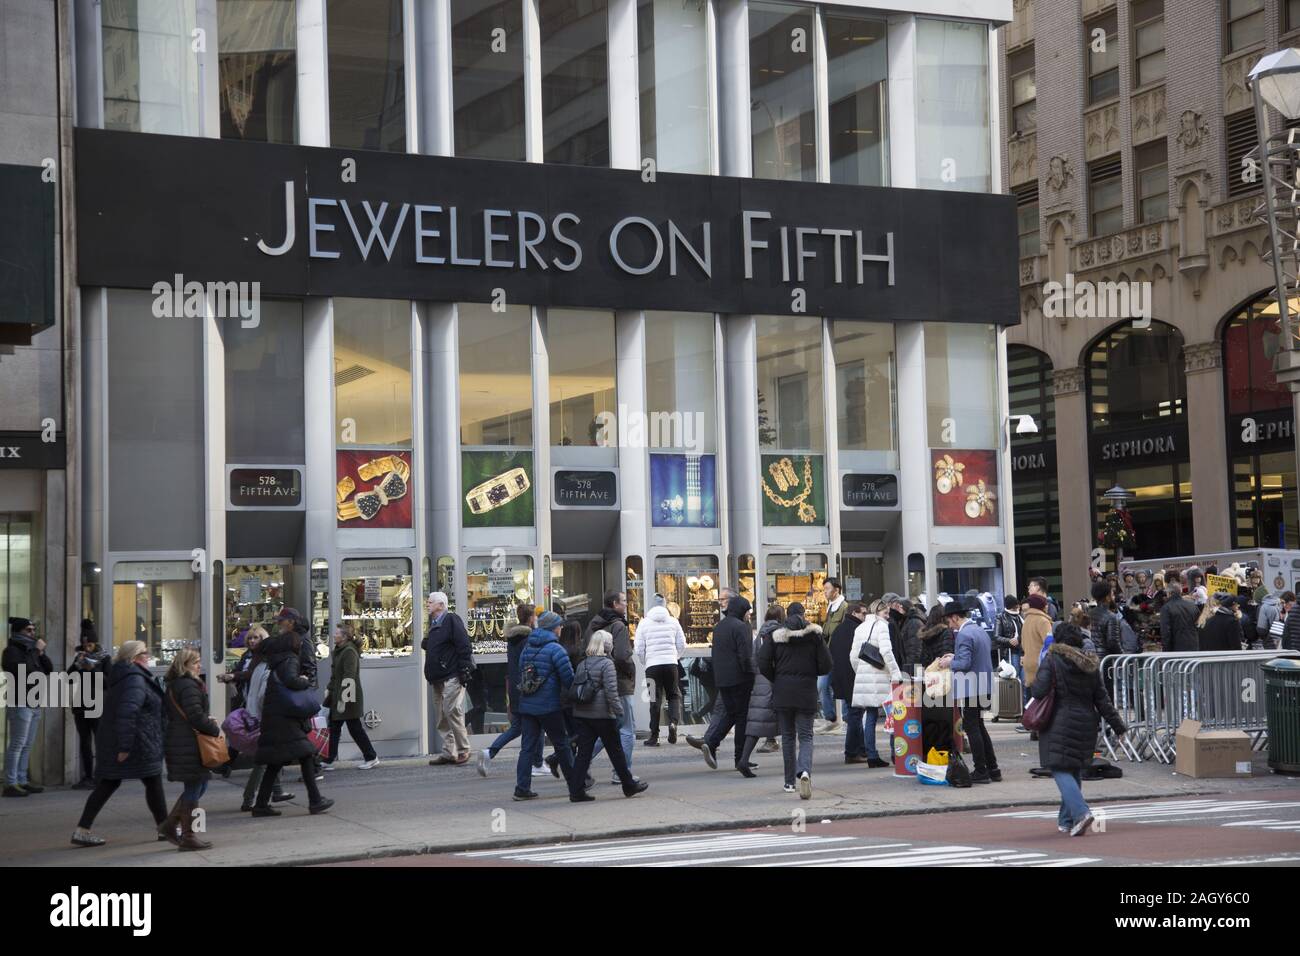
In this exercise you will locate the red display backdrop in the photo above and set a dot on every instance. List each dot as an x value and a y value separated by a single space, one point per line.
373 488
964 487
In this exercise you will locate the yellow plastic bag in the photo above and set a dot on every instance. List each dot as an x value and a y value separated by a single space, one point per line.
938 758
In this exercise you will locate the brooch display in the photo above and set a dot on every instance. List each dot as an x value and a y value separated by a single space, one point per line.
365 505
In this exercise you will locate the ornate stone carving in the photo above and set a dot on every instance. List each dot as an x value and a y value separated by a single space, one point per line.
1059 173
1191 129
1236 95
1149 115
1021 28
1130 244
1067 381
1022 158
1101 131
1203 356
1029 270
1238 214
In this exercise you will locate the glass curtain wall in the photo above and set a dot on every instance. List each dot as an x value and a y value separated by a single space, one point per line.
264 387
487 48
783 117
575 81
866 389
952 112
151 75
857 65
1136 377
367 74
372 373
496 375
580 343
680 376
673 59
961 386
257 43
1036 511
791 420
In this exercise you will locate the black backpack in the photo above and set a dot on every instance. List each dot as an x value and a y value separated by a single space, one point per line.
583 690
530 678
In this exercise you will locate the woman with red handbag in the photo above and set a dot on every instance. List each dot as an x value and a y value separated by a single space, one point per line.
187 718
1068 699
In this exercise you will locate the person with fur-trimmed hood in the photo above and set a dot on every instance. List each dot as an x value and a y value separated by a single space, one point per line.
1066 746
792 662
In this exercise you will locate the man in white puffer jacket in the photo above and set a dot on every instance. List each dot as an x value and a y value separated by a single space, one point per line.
660 644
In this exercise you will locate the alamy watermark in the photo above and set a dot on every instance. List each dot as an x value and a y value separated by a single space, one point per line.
229 300
60 689
628 429
1098 300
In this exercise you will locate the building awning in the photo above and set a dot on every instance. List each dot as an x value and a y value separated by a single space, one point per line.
27 254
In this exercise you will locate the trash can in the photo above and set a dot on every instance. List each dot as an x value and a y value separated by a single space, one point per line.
1282 710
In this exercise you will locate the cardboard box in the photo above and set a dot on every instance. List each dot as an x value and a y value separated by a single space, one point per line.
1211 753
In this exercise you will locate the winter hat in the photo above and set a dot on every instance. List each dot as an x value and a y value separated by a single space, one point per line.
658 601
17 624
954 608
289 614
1200 594
890 598
1037 602
549 621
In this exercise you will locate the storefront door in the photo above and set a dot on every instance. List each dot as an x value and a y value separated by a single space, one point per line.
578 585
495 585
256 591
863 576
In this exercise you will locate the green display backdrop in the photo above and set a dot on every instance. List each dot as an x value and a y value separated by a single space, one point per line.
480 467
794 490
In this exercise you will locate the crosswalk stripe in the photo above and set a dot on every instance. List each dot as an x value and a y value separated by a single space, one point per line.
666 838
1149 813
578 853
932 859
752 856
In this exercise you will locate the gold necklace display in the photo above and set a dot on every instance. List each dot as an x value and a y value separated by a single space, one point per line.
784 475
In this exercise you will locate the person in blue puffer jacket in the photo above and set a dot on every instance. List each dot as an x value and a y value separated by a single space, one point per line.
544 664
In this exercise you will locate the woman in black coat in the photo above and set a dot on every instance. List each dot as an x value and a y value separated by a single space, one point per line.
284 737
129 739
1220 629
187 715
793 660
1066 746
936 717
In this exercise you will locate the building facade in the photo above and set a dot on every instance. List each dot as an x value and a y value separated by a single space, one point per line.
1137 203
526 300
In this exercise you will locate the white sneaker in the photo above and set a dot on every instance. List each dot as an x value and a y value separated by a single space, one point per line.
327 767
789 788
542 771
483 758
367 764
805 786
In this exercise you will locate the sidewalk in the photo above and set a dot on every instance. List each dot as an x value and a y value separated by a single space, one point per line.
405 807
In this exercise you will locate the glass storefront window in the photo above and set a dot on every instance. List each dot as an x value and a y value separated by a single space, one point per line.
320 603
863 577
254 594
680 375
857 65
1264 497
961 388
634 588
376 600
264 387
580 344
372 373
578 586
746 576
1161 506
866 389
1136 376
952 106
689 584
783 116
790 407
157 602
89 588
673 58
151 77
970 571
20 576
446 581
487 79
367 74
798 577
916 577
257 43
1250 342
1029 392
575 80
494 588
496 375
1037 518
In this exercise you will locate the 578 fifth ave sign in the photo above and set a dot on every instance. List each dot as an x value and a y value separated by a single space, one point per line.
310 221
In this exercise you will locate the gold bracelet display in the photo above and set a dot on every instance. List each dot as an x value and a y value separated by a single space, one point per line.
367 504
785 476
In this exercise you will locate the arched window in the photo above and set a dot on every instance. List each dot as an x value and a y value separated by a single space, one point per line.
1036 502
1260 429
1138 437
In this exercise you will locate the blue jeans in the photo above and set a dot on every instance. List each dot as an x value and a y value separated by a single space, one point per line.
1020 672
515 730
827 696
195 790
23 722
859 741
626 730
552 725
1073 807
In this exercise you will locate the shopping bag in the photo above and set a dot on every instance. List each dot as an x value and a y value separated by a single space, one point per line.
242 730
319 735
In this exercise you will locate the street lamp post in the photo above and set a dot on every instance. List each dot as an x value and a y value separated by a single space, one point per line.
1118 498
1275 82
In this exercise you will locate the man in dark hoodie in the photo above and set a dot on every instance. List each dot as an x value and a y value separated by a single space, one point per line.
516 636
613 618
733 670
24 656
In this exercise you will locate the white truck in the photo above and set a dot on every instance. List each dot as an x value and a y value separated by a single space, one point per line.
1280 568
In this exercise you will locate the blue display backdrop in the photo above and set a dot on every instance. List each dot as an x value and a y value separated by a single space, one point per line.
682 491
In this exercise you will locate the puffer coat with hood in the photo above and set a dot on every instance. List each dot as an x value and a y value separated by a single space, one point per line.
793 660
659 638
760 721
873 686
132 723
1068 741
733 646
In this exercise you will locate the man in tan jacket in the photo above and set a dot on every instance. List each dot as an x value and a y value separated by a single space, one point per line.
1032 637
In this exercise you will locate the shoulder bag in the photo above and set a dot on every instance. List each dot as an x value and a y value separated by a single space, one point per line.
282 701
870 653
1038 712
213 752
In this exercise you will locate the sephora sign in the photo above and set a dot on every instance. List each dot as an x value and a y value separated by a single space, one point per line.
309 221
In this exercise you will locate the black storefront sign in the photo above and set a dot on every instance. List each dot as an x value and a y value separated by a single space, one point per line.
1033 462
870 491
1259 433
265 487
27 450
585 489
151 208
1152 445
